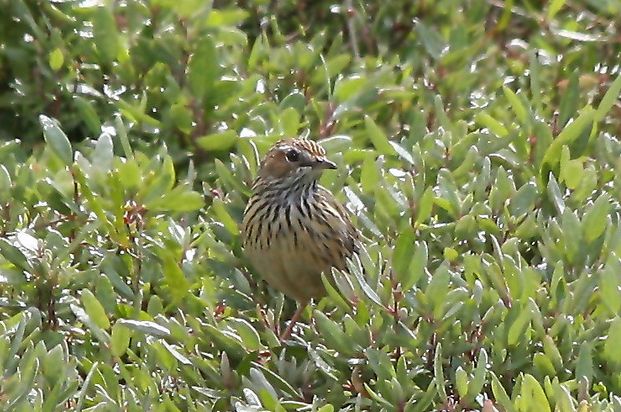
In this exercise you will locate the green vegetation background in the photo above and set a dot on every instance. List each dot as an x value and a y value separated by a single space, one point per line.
477 144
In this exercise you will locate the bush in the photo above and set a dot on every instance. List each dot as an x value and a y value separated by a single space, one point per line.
478 152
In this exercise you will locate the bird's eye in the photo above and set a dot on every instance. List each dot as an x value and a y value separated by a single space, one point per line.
293 155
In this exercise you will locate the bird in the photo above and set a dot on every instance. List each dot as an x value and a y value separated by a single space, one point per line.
293 229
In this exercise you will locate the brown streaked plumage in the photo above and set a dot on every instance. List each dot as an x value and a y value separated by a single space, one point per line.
293 229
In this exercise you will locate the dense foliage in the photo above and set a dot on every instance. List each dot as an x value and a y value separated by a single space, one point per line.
478 151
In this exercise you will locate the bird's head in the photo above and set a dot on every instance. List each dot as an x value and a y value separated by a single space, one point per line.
295 163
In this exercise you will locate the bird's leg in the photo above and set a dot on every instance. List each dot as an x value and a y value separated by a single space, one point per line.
296 316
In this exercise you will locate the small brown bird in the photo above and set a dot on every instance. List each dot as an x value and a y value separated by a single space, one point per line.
293 229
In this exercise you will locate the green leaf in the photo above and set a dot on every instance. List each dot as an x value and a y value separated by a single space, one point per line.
289 122
609 284
106 35
346 88
225 341
440 112
94 309
122 134
402 255
461 381
247 333
500 394
571 170
611 347
503 189
93 327
476 384
5 182
569 99
450 254
178 285
437 289
524 199
402 152
380 363
144 326
278 381
572 234
555 195
543 365
584 364
610 98
228 180
115 279
14 255
203 68
333 66
551 351
56 139
424 404
377 397
378 137
417 266
369 174
295 100
431 40
28 370
469 163
56 59
595 219
333 334
366 288
119 341
554 6
533 394
516 105
494 126
333 293
17 339
188 8
175 353
425 206
535 81
103 155
223 17
519 327
88 114
438 372
220 210
52 363
181 116
570 133
218 141
180 200
85 386
564 400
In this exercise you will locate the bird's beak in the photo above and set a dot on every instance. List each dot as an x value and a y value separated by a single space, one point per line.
323 163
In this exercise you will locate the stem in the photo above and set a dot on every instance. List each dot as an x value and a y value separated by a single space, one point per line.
353 36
